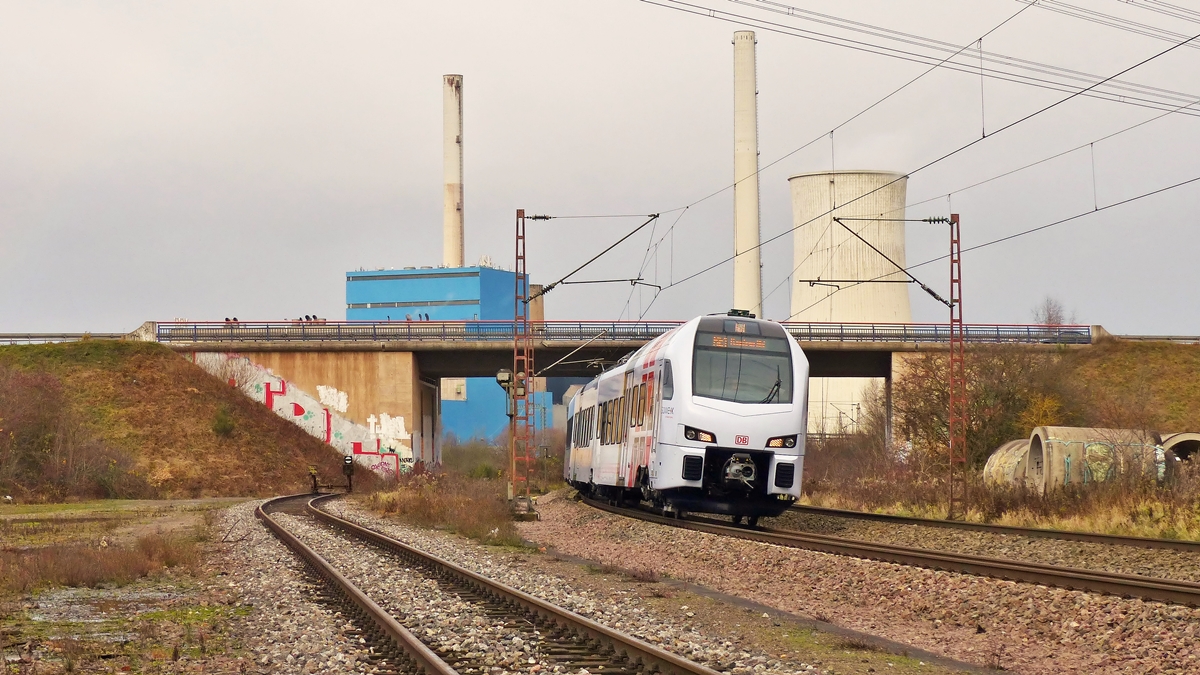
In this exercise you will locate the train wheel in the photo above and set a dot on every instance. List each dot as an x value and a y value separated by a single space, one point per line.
737 520
752 521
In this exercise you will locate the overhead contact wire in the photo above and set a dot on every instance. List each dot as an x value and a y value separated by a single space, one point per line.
942 158
1018 234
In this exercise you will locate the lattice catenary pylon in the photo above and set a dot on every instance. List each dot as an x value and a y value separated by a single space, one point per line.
520 456
958 382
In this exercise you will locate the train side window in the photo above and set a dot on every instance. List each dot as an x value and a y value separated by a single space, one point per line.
621 418
609 411
604 408
668 381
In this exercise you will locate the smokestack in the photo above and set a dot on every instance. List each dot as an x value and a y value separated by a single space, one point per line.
747 270
452 169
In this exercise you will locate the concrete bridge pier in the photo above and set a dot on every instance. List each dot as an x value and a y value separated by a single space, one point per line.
375 383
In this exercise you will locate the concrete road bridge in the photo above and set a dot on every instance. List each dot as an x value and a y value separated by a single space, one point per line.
480 348
356 375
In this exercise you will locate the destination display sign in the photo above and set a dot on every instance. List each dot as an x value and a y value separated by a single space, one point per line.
734 342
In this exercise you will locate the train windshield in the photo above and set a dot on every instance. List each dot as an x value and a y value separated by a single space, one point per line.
743 366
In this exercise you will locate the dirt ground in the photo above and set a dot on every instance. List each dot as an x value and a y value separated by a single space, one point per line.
176 621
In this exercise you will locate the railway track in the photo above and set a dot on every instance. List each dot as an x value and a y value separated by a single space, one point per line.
1124 585
1067 535
562 637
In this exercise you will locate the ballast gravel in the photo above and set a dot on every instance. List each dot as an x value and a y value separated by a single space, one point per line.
1020 627
435 615
626 614
1163 563
283 626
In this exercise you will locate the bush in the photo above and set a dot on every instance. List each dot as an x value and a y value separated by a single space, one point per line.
47 452
223 422
74 565
473 507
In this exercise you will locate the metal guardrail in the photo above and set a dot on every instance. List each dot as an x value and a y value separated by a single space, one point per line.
599 331
44 338
1177 339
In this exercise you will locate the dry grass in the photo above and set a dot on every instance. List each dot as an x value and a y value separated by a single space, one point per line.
641 575
1149 386
473 507
77 565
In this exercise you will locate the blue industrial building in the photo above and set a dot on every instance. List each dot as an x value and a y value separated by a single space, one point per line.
471 408
444 294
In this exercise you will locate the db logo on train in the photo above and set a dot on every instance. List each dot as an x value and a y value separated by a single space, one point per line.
741 440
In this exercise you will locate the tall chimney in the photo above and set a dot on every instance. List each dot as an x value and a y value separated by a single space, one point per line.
747 269
452 169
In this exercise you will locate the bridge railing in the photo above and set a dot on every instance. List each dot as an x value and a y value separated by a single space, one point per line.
599 331
45 338
939 333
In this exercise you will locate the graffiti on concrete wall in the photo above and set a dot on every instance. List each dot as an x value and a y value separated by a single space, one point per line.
332 398
383 445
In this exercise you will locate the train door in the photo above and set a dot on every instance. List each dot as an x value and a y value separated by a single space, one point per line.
649 416
572 441
624 437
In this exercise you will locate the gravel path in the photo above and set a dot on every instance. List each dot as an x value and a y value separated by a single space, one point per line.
626 613
1104 557
1021 627
284 628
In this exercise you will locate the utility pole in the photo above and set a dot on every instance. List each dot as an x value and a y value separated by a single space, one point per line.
957 415
957 418
522 437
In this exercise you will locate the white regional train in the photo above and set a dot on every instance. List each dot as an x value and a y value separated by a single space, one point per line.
709 417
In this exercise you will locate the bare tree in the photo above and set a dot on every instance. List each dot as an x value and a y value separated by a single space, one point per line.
1052 313
240 372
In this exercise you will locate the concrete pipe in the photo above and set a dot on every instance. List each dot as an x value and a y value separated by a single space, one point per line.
1061 456
1007 464
1183 445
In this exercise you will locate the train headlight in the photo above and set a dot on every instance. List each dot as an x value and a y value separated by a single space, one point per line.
782 442
697 435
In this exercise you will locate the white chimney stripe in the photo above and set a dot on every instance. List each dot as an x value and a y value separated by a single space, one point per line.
747 267
452 167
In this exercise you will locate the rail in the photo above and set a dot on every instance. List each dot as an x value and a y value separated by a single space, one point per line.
420 657
650 658
599 331
44 338
1065 535
1123 585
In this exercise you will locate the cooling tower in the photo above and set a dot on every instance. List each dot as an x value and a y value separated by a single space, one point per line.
747 269
825 250
452 170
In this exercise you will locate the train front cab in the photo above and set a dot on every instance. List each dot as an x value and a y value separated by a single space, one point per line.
731 437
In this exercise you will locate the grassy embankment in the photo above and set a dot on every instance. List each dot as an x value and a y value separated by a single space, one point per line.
1149 386
125 421
115 419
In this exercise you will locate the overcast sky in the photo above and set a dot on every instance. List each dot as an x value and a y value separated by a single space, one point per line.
211 159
